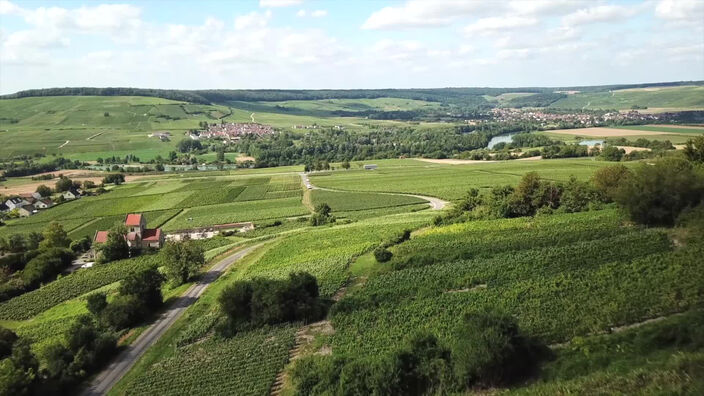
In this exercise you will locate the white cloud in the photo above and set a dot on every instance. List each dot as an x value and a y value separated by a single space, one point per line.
252 20
422 13
319 13
604 13
681 10
546 7
279 3
8 8
301 13
499 24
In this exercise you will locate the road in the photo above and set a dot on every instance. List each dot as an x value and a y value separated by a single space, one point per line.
125 360
435 203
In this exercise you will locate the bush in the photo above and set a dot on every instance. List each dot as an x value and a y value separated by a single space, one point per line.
490 350
608 179
265 301
46 266
656 194
7 340
382 254
123 312
182 261
145 285
96 303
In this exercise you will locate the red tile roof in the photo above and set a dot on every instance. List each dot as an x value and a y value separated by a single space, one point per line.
133 219
151 234
101 236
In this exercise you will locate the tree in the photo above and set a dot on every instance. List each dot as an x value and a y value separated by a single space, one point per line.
182 261
145 285
96 303
88 184
489 350
81 245
7 340
612 153
694 149
221 154
115 247
43 190
609 179
46 266
345 165
115 178
658 193
123 312
382 254
54 237
321 215
63 184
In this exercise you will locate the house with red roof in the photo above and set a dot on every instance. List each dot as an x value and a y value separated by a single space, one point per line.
138 235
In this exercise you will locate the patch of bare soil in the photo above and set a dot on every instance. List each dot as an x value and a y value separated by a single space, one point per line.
630 149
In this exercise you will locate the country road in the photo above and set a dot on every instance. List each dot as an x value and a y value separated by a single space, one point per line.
435 203
126 359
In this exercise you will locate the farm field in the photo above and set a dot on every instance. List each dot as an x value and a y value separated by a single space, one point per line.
450 181
680 97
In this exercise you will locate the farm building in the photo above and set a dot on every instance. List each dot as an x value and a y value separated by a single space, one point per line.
370 167
138 235
26 210
16 203
43 203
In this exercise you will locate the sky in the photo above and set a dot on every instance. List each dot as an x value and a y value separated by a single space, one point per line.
315 44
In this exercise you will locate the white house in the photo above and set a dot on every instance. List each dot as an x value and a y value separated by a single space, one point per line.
43 203
26 210
16 203
73 193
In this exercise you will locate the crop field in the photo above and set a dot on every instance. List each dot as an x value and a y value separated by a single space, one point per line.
610 275
451 181
351 201
682 97
205 201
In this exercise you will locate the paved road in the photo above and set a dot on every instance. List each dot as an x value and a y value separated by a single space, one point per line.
435 203
124 362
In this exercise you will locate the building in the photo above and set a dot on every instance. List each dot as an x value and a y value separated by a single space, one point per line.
36 195
16 203
26 210
73 193
138 235
370 167
43 203
3 207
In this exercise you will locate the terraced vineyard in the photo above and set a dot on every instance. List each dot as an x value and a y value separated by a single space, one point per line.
562 276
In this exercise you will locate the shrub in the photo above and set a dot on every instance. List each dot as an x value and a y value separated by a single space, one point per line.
145 285
608 179
490 350
96 303
123 312
382 254
7 340
658 193
182 261
46 266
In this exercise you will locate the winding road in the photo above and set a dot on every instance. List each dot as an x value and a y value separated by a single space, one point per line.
435 203
104 381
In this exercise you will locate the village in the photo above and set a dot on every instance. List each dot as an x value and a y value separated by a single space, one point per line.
587 119
234 131
25 205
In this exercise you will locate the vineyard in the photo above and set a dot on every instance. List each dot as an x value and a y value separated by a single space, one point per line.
351 201
245 364
595 274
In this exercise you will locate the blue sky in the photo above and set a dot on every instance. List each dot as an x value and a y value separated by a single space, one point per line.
348 44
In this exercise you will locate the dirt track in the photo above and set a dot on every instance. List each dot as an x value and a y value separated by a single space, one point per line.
123 363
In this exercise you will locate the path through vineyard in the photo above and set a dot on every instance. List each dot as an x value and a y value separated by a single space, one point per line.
124 362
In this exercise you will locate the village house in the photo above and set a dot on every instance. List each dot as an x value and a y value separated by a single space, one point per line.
16 203
43 203
73 193
138 235
36 195
3 207
26 210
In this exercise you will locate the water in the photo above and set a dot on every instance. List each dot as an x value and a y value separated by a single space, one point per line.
503 138
593 142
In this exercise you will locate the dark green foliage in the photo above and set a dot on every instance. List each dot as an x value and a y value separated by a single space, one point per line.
694 150
81 245
577 195
182 261
322 215
115 248
612 153
422 367
63 184
565 151
266 301
609 179
44 191
46 266
537 100
145 285
54 236
114 178
188 145
123 312
490 350
530 140
96 303
7 340
382 254
657 193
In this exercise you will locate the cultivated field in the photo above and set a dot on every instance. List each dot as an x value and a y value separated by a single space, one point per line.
663 98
